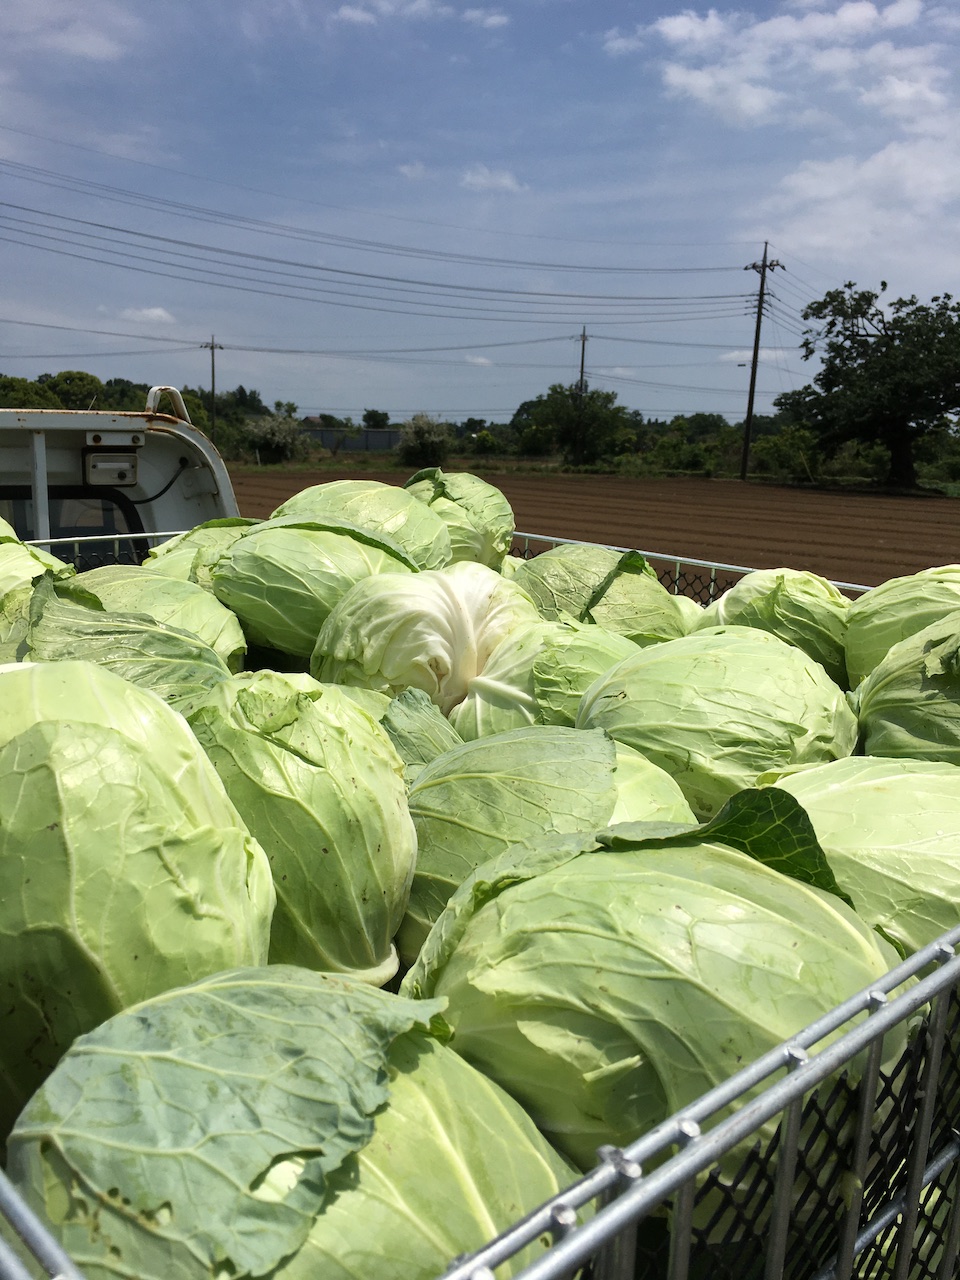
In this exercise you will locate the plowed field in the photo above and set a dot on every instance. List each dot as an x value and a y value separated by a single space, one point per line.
848 537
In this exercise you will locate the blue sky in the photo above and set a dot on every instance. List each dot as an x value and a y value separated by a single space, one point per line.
418 205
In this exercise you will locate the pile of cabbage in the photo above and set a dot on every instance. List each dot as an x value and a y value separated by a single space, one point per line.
421 871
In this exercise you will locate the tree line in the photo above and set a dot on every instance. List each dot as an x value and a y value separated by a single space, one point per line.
882 408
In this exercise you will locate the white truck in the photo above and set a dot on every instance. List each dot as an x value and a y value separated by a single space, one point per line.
100 485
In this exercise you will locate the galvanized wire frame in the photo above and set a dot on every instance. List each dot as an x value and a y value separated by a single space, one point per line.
702 580
887 1136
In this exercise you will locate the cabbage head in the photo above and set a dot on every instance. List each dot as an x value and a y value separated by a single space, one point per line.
718 708
608 981
895 610
124 867
433 631
801 608
477 799
319 784
66 623
377 508
891 831
127 588
536 675
329 1132
478 517
909 704
284 577
616 590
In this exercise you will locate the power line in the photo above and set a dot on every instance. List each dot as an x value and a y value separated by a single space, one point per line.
395 217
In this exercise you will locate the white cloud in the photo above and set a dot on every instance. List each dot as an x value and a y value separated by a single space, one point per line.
99 30
766 355
487 18
782 68
147 315
478 360
617 44
724 89
481 178
414 171
371 13
350 13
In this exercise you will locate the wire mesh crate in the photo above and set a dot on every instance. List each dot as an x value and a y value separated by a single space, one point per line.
701 580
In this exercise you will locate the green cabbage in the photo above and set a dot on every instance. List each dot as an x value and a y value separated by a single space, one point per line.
616 590
895 610
891 829
125 588
608 982
276 1123
320 785
909 704
124 867
536 675
801 608
477 799
478 517
284 577
378 508
717 708
193 554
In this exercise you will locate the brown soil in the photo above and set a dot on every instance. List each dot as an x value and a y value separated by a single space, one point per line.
849 537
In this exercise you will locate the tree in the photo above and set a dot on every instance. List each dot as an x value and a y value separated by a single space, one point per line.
75 389
584 425
890 375
376 419
424 441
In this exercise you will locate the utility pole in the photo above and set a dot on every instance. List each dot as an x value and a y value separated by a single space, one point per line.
762 267
214 347
582 384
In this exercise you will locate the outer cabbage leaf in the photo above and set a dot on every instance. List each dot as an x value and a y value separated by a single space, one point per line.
417 728
433 630
616 590
507 788
67 623
478 516
124 867
891 830
607 987
193 554
320 785
894 611
718 708
801 608
20 565
572 658
380 509
196 1134
453 1162
909 704
284 577
126 588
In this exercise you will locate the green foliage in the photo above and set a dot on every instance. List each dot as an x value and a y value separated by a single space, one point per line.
890 375
21 393
424 441
584 425
275 437
375 419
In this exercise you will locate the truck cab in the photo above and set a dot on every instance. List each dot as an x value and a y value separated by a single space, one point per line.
94 485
